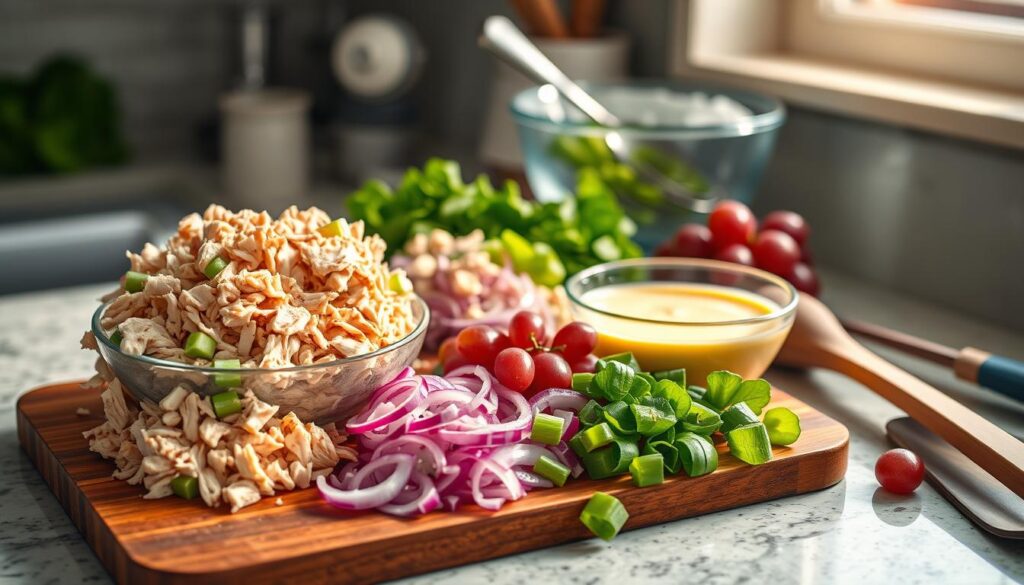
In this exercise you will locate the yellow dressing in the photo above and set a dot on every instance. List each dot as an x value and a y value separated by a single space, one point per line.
671 325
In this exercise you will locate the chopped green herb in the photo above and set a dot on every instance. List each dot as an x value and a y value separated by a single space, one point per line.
737 415
185 486
726 388
654 417
135 281
668 452
611 460
116 338
227 379
200 345
620 417
675 394
750 444
226 403
783 426
596 436
678 376
647 470
613 381
626 358
549 468
697 454
591 414
604 515
547 428
214 267
701 420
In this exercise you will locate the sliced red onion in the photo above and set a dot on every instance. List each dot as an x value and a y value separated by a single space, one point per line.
568 458
426 499
531 480
572 423
558 398
408 392
512 486
360 498
429 457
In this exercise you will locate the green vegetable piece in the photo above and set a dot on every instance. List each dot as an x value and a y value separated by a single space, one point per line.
200 345
611 460
547 428
576 444
581 382
783 426
591 414
135 281
549 468
653 418
213 267
545 267
737 415
726 388
227 379
697 454
519 250
116 338
750 444
668 452
620 417
647 470
185 486
398 282
605 248
330 230
675 394
614 380
696 392
638 389
226 403
626 358
701 420
596 436
604 515
678 376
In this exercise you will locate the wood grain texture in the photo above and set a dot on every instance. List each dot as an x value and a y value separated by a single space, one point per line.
177 541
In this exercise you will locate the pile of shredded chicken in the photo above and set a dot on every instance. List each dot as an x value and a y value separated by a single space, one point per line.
289 295
236 460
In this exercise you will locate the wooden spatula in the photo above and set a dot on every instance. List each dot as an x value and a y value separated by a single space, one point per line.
819 340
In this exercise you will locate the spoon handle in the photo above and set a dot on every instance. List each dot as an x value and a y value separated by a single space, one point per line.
992 448
501 37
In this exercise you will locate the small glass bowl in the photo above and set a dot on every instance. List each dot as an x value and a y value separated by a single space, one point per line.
321 393
745 346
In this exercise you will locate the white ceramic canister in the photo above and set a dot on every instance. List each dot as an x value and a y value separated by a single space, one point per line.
604 58
265 144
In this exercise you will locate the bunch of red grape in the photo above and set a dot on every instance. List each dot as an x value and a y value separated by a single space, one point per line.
523 360
731 235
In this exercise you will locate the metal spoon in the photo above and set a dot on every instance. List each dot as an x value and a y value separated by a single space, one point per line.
502 38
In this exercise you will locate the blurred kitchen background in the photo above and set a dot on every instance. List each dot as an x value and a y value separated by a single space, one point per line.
903 144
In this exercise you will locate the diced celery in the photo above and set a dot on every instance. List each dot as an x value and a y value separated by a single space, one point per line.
604 515
227 379
200 345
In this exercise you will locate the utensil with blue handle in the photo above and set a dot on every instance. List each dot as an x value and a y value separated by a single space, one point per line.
1001 374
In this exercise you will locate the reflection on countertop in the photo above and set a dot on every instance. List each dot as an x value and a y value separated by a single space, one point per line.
850 533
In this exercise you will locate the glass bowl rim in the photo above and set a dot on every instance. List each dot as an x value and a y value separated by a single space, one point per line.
754 124
730 267
417 331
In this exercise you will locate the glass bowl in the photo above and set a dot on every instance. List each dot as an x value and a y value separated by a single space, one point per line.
557 142
746 346
321 393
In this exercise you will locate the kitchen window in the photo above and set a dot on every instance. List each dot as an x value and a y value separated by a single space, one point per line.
947 66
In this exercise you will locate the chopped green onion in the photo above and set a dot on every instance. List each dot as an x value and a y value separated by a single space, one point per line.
596 436
135 281
620 417
185 486
726 388
647 470
697 454
653 418
581 382
613 381
213 267
116 338
701 420
226 403
737 415
604 515
783 426
669 454
591 414
611 460
227 379
576 444
547 429
696 392
549 468
678 376
750 444
332 229
638 389
675 394
625 357
200 345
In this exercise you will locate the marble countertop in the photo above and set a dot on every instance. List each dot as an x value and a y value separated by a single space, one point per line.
850 533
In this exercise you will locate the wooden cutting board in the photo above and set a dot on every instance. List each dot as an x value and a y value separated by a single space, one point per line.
177 541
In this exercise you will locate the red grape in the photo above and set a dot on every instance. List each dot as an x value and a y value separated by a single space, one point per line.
693 241
804 278
806 257
737 253
899 471
576 340
789 222
664 249
731 222
587 364
524 327
514 368
454 360
551 371
480 344
776 252
446 350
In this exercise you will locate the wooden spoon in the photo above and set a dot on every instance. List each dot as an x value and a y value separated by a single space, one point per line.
819 340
